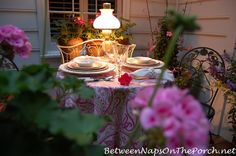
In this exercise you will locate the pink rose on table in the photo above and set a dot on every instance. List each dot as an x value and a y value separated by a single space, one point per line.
125 79
178 114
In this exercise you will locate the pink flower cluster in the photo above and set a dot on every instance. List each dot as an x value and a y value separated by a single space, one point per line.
177 113
17 39
79 21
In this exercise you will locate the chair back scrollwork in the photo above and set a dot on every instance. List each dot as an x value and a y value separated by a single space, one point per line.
93 47
7 64
203 63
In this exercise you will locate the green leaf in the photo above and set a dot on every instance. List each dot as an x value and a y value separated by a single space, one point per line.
85 92
33 110
75 126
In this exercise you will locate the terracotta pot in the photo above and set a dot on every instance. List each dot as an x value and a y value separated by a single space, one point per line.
70 53
94 48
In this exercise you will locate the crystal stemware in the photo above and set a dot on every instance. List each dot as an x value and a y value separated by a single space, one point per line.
121 54
107 48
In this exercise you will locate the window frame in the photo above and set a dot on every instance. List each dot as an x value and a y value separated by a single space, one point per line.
47 47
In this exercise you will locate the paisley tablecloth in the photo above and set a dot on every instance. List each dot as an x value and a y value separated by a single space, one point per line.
112 99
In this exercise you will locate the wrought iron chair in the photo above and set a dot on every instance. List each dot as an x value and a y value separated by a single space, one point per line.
94 47
91 47
131 50
70 52
205 65
7 64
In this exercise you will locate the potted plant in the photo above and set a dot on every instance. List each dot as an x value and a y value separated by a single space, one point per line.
71 33
76 30
123 34
162 38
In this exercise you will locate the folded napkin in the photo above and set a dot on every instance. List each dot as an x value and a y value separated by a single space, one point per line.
152 73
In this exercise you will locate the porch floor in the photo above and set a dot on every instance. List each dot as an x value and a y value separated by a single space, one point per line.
220 143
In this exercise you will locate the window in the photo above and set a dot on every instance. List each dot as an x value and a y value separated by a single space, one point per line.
63 9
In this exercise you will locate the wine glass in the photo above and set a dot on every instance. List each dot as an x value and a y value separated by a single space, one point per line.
107 48
121 53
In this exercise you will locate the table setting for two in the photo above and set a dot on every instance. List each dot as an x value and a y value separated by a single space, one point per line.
116 62
92 68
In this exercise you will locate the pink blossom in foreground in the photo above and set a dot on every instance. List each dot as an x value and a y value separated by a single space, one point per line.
177 113
150 119
17 39
142 98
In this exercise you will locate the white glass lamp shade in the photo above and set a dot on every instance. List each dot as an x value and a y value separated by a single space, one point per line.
106 21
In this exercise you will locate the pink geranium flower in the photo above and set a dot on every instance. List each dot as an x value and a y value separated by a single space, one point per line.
16 39
177 113
148 118
79 21
142 98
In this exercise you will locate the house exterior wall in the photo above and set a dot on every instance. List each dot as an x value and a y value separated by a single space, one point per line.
138 13
217 19
23 14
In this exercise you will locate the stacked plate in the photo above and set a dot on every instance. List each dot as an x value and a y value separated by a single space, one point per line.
142 62
86 65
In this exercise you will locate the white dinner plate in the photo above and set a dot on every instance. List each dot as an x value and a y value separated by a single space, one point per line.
158 64
142 61
64 68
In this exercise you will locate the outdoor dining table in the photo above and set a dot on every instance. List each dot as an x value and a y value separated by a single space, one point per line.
113 100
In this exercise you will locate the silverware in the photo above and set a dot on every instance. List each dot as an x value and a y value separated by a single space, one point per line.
109 78
92 79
